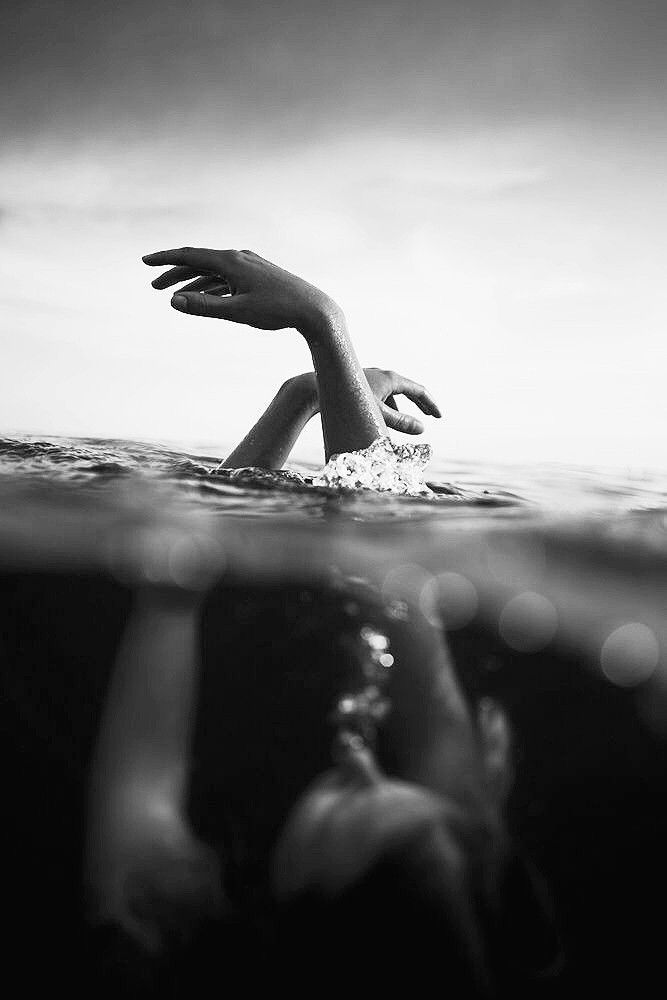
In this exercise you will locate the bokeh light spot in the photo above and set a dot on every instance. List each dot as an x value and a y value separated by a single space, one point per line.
449 600
630 654
528 622
184 558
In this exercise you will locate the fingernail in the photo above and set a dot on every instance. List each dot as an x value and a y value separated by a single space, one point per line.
179 302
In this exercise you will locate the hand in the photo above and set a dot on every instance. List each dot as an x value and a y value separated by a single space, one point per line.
241 286
152 877
385 385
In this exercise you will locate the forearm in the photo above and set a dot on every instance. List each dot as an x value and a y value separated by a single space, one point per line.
351 418
269 298
269 443
145 870
143 751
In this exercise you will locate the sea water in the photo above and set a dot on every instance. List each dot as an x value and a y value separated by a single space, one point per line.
549 582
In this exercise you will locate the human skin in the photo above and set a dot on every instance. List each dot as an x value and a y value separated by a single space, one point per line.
145 869
269 443
452 765
343 822
265 296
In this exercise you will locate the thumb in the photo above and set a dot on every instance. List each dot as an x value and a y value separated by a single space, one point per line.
402 422
200 304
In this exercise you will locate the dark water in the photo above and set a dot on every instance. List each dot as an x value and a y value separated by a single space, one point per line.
551 585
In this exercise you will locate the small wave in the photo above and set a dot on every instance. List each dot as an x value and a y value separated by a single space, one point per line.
263 479
362 488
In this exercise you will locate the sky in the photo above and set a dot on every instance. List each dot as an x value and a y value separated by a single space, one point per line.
480 185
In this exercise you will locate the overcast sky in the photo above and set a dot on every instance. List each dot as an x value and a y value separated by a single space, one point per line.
481 185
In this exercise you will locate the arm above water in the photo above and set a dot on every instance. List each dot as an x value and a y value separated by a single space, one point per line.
260 294
351 417
269 443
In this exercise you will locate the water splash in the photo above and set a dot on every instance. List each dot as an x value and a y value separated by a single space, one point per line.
383 466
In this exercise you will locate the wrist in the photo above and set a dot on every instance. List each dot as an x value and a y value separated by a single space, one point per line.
324 321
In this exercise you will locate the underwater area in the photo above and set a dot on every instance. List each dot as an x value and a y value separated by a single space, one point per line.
548 587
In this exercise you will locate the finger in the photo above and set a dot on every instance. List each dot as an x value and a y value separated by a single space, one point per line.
173 276
197 258
403 422
390 401
417 394
215 306
207 284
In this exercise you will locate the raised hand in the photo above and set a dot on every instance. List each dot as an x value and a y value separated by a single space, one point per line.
241 286
385 385
269 443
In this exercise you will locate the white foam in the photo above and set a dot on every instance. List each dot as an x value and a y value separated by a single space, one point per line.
383 466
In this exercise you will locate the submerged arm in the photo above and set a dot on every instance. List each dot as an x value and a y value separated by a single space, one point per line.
145 869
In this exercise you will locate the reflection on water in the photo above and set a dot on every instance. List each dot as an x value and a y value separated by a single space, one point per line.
550 588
